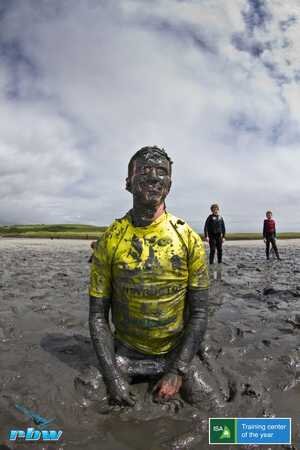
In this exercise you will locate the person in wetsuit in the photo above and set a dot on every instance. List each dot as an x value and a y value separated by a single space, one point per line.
269 234
93 247
214 232
149 268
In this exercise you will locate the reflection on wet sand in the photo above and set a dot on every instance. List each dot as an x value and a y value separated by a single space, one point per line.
251 353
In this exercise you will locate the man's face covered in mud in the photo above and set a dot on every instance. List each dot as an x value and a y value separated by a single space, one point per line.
149 179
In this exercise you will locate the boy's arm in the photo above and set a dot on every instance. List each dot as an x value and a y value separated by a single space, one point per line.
223 228
264 229
206 227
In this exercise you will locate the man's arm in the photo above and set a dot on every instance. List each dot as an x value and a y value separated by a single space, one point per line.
189 345
264 230
195 328
196 302
103 343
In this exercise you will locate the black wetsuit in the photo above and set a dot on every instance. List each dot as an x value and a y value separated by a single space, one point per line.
215 229
269 233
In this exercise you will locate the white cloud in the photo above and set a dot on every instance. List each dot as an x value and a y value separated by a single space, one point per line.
84 85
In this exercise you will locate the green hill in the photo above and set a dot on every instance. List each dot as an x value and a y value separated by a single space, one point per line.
79 231
72 231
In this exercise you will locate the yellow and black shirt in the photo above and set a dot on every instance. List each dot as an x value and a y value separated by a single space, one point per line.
146 272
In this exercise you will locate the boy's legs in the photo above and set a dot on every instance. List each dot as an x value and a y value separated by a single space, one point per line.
212 245
274 246
219 248
268 247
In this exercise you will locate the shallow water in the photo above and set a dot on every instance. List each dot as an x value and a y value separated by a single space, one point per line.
251 349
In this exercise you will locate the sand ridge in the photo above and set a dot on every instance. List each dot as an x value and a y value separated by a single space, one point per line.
251 348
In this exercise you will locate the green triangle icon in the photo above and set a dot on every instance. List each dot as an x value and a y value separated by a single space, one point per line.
226 433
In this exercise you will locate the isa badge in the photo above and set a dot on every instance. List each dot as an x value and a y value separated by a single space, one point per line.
222 431
250 430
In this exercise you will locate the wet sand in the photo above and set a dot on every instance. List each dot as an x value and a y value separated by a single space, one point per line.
251 349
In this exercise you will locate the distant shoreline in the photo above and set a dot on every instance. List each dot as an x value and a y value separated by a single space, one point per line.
90 232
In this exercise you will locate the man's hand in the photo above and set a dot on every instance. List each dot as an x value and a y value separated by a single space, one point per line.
119 392
168 386
265 240
207 239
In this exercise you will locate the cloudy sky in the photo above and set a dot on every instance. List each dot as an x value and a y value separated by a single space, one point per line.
84 84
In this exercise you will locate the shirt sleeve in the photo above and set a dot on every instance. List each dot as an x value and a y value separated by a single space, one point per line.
223 227
197 265
206 227
100 275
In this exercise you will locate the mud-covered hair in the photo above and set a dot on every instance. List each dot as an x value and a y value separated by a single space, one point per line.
148 149
213 206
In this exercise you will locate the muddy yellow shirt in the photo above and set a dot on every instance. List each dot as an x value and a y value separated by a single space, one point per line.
146 272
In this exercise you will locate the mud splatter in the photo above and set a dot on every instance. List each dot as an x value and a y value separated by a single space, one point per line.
152 262
164 241
251 349
136 248
176 262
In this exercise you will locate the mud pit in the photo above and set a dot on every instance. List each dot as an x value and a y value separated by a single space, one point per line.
251 351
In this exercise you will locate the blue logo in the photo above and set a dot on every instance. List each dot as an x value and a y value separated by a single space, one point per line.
35 434
32 434
36 418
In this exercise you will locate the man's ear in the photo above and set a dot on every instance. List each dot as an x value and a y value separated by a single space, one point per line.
170 184
128 185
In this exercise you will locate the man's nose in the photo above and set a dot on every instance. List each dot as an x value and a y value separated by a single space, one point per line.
153 172
152 177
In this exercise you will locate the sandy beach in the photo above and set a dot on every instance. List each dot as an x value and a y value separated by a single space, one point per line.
251 349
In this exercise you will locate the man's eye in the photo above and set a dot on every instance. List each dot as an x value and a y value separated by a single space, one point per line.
161 171
144 170
158 170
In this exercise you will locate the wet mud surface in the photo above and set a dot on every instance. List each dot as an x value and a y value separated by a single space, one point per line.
250 358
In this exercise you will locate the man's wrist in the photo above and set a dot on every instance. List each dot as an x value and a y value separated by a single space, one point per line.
111 374
179 370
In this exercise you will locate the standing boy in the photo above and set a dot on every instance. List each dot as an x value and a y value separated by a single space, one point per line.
214 232
269 233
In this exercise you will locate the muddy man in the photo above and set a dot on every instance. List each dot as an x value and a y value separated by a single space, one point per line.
149 268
